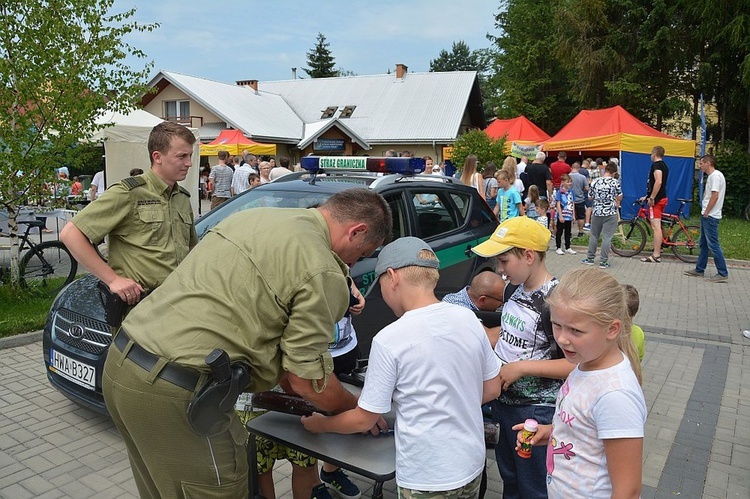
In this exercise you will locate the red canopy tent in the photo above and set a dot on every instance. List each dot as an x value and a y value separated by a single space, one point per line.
234 142
615 132
520 131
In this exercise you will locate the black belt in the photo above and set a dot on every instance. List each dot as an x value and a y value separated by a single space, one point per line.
183 377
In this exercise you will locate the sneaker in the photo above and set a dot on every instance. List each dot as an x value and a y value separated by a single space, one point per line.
586 226
580 234
559 251
320 491
718 278
746 333
571 251
604 264
693 273
340 484
587 261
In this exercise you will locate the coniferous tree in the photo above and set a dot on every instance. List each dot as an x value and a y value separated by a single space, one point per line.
320 61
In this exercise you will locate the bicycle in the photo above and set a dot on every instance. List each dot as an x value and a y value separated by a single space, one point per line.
47 266
631 235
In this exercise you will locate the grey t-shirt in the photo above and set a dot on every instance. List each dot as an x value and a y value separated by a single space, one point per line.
580 183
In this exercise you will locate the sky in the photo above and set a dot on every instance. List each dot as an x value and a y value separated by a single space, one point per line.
263 40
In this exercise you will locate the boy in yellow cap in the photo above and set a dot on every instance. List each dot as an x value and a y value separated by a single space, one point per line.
533 370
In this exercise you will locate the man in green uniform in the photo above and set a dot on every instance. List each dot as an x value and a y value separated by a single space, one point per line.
148 218
265 285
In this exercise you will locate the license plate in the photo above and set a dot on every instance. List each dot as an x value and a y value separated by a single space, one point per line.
70 369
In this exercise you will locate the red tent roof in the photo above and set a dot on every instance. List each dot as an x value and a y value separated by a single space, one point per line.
608 121
520 128
230 137
615 129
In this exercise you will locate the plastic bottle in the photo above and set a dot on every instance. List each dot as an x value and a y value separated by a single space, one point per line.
529 430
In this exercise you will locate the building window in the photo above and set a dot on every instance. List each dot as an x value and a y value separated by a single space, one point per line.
177 110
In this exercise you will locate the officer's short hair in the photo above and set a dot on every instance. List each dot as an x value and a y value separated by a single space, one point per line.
160 138
364 206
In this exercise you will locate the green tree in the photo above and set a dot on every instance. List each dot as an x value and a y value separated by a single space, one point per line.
484 147
460 58
527 77
61 64
322 63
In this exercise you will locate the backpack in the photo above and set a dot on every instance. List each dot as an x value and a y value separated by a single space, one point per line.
555 352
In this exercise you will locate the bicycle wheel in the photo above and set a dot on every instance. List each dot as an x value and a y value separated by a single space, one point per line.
686 245
48 266
629 238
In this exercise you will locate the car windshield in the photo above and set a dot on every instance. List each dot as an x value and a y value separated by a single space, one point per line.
261 197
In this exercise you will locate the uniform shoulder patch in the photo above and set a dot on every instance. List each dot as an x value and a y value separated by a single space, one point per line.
184 191
133 182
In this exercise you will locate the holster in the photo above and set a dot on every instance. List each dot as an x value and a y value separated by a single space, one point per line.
209 411
114 307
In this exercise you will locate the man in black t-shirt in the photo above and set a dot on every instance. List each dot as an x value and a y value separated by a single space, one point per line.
656 193
540 175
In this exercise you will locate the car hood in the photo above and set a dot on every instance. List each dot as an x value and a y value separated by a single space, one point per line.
82 296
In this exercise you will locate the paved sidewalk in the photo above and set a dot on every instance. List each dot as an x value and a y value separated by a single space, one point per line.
697 392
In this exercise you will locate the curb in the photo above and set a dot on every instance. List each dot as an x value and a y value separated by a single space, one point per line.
20 339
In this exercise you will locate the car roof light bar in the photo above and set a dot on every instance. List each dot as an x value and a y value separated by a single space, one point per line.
403 166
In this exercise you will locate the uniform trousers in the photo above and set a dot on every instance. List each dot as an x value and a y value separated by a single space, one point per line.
168 459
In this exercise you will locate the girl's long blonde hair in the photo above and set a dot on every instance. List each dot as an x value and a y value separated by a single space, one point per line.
510 166
596 294
470 168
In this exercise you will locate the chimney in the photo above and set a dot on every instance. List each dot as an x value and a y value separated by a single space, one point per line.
294 73
249 83
401 70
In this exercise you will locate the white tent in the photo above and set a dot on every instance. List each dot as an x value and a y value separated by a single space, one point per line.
126 147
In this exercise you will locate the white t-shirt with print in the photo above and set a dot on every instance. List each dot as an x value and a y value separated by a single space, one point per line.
432 363
592 406
522 337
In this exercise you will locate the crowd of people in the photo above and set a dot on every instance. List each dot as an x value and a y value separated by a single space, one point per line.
565 354
234 175
586 195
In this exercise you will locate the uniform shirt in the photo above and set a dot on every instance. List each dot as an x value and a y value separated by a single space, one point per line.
221 175
714 182
431 364
592 406
150 228
270 301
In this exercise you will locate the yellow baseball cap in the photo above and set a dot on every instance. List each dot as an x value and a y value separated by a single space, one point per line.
516 232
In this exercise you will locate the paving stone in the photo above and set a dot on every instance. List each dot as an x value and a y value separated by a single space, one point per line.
696 383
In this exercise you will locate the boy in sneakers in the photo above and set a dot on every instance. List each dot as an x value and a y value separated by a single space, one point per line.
565 211
439 433
532 371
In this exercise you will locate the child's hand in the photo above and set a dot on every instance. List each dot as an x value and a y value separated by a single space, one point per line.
540 438
510 372
380 428
314 423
